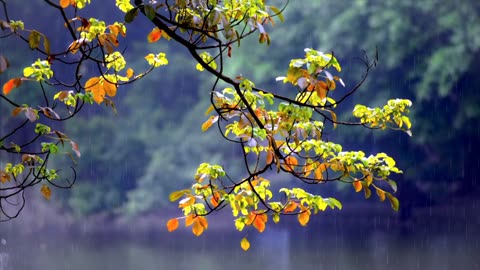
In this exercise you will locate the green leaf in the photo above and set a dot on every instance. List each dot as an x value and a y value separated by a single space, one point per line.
130 15
277 13
34 39
150 12
393 201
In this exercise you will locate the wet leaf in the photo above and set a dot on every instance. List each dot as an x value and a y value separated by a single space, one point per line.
393 201
176 195
17 110
199 225
46 192
34 39
149 12
154 35
259 223
211 120
357 185
75 148
130 73
12 83
381 194
269 158
244 244
172 224
4 64
290 207
304 217
31 114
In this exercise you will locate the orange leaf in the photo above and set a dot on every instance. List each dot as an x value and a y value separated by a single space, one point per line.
110 88
304 217
93 85
199 225
189 220
203 221
12 83
215 199
290 163
381 194
65 3
46 192
154 35
357 185
321 89
172 224
318 173
269 157
290 207
17 110
129 73
259 224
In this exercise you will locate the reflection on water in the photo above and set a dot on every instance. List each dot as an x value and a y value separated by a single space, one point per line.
278 248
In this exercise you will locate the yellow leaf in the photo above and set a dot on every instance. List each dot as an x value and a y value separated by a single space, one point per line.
304 217
357 185
176 195
154 35
12 83
172 224
209 110
46 192
244 244
212 119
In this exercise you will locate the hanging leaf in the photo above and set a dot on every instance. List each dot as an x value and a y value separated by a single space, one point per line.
357 185
290 207
34 39
75 148
172 224
177 195
211 120
304 217
4 64
199 225
244 244
46 192
259 222
12 83
154 35
290 163
381 194
130 73
149 12
393 201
